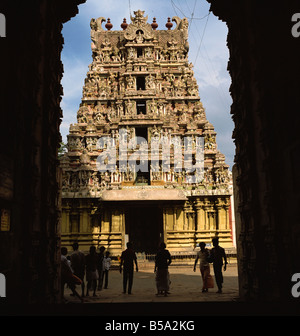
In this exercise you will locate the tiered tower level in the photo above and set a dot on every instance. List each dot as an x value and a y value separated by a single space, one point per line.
141 84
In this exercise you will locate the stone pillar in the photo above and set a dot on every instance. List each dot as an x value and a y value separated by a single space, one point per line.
221 217
65 227
227 209
123 231
115 236
68 224
211 219
200 211
169 219
80 219
200 226
85 220
175 226
223 227
165 235
105 223
180 218
105 226
185 227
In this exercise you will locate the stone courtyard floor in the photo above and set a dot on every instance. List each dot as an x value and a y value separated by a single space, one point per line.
186 298
185 301
186 286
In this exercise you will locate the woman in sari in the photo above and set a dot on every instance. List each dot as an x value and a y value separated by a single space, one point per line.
162 261
203 255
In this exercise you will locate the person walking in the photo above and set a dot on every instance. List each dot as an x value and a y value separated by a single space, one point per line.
78 265
217 256
91 261
100 267
162 261
106 267
203 256
67 276
128 257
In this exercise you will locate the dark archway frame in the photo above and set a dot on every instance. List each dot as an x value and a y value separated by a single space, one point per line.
264 68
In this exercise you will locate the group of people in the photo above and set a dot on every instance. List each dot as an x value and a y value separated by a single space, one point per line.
96 268
162 261
215 256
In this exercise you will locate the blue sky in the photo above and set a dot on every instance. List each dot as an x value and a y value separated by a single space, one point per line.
208 54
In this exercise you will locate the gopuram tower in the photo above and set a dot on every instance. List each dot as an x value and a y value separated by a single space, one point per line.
139 126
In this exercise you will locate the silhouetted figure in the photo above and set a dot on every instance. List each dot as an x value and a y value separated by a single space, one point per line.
100 267
106 267
92 261
67 275
128 257
217 256
78 264
162 261
203 255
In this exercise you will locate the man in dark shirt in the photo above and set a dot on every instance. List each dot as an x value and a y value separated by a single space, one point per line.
78 264
163 258
162 261
128 257
217 256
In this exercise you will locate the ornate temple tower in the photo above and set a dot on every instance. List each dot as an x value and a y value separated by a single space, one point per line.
140 85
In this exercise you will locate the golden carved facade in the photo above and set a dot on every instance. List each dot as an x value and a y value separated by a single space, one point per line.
141 84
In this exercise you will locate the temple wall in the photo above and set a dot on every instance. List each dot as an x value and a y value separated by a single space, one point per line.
184 226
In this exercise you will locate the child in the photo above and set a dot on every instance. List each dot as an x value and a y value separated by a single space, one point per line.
106 266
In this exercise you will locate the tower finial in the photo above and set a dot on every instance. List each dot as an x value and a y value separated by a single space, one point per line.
169 24
108 25
124 24
154 24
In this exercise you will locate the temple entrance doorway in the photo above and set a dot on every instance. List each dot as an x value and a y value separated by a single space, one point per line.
144 227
